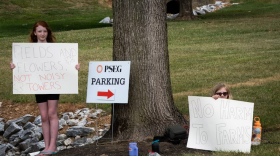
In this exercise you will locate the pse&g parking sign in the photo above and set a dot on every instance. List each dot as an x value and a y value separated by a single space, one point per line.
108 82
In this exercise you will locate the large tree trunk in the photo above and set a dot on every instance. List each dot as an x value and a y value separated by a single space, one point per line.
186 10
140 36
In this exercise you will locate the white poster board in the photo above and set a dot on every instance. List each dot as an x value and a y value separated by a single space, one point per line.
108 82
220 124
45 68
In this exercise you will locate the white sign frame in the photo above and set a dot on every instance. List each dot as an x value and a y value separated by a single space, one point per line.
45 68
220 125
108 77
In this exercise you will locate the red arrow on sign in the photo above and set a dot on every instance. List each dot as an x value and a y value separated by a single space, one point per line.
108 94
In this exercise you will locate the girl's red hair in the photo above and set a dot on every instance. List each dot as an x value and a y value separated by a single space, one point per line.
33 37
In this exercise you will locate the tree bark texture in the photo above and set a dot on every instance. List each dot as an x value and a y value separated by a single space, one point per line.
186 10
140 36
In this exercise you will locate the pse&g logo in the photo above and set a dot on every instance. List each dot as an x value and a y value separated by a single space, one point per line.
109 68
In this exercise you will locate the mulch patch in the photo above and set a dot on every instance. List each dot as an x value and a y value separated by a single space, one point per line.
121 149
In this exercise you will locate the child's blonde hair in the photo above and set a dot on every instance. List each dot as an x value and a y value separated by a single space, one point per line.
218 87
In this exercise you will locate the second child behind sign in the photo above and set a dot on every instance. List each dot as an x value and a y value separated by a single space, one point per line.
220 124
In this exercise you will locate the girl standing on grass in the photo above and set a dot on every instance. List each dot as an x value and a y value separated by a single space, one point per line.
221 90
47 103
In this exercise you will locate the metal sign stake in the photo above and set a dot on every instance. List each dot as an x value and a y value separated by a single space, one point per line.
96 125
113 121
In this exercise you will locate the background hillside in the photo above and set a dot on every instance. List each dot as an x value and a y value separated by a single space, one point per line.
18 16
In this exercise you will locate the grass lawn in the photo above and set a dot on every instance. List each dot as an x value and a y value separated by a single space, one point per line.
238 45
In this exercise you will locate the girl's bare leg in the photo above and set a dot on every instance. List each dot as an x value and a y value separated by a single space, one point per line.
53 119
43 107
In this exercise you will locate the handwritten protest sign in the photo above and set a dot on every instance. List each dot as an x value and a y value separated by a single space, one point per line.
221 124
45 68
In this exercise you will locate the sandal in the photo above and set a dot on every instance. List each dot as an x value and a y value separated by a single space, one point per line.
50 152
39 153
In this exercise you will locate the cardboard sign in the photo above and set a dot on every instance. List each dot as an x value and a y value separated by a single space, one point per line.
108 82
220 124
45 68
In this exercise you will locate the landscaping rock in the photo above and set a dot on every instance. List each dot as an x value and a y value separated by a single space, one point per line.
77 137
77 111
218 3
100 131
20 121
62 122
32 148
2 125
29 125
38 130
14 139
67 141
60 127
85 109
26 143
93 115
12 129
89 141
59 143
11 153
41 145
96 138
81 114
38 120
105 130
82 122
103 113
71 115
65 117
3 148
24 138
61 148
98 111
61 137
206 8
105 20
16 135
26 134
72 122
38 135
200 12
79 142
90 122
81 131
